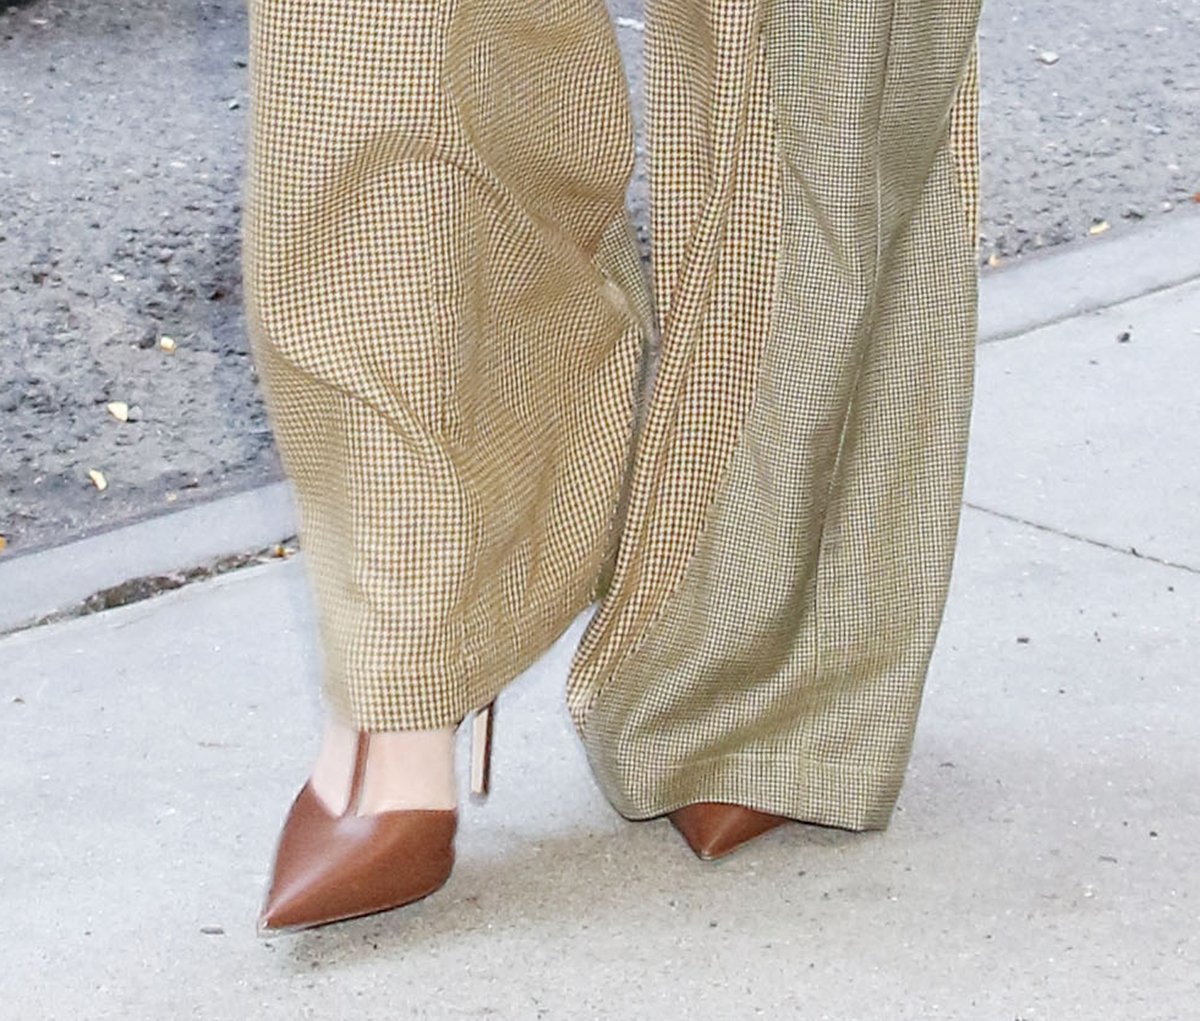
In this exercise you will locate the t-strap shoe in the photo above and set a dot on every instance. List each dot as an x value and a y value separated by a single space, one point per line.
332 867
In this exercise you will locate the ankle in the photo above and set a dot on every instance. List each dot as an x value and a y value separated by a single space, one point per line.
410 769
405 770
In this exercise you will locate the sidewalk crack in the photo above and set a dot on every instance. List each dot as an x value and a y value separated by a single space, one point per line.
1129 551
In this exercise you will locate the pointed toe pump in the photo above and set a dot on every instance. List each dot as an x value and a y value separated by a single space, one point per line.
713 829
329 868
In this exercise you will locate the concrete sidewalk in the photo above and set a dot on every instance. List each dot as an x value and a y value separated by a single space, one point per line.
1042 863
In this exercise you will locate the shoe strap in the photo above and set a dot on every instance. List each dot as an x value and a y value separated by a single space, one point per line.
360 771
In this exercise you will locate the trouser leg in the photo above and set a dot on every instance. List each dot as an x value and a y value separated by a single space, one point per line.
446 313
795 498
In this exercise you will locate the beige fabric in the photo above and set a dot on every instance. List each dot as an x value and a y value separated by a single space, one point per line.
787 550
437 266
449 316
964 141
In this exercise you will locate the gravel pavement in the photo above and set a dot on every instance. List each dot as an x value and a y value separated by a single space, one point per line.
123 128
123 131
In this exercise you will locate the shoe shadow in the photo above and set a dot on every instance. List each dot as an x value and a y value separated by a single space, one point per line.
587 877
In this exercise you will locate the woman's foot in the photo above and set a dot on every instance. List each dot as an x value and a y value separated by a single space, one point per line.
371 830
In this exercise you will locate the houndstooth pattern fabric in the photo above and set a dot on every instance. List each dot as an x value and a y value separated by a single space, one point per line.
442 293
450 322
785 559
964 141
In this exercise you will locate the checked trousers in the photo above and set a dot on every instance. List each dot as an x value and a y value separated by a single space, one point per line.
494 415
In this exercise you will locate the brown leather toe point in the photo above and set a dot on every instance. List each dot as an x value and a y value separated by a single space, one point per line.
714 829
329 868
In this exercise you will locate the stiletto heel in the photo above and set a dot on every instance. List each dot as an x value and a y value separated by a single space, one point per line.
481 750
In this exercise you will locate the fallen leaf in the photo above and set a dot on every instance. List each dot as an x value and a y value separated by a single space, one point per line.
3 543
119 410
167 343
1196 197
1099 227
98 478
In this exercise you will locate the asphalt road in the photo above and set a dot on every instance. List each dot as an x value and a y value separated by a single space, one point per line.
1108 133
122 125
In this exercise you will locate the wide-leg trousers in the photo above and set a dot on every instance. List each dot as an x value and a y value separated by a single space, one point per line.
493 417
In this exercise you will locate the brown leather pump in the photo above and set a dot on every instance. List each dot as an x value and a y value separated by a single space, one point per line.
332 867
714 829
